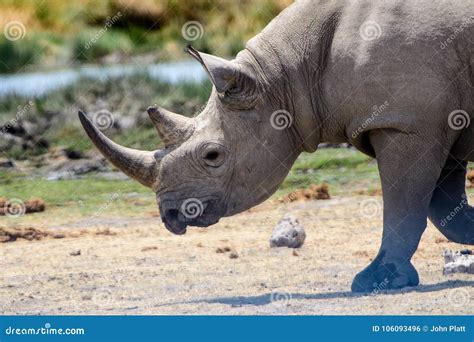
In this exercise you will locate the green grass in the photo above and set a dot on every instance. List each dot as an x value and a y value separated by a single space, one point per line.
87 195
85 49
84 196
340 168
14 56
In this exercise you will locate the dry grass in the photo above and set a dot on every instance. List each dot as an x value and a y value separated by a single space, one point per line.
137 267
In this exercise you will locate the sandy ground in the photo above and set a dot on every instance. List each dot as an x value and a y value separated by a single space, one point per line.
134 266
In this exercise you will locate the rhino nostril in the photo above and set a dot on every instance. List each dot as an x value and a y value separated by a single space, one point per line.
172 214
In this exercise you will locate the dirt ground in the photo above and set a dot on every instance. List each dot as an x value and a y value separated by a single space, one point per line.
123 265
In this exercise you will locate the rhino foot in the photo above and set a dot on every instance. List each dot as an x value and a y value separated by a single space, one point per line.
385 275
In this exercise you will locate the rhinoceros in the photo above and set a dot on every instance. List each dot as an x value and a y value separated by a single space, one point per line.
314 75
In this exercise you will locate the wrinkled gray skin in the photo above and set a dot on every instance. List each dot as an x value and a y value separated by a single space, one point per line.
313 62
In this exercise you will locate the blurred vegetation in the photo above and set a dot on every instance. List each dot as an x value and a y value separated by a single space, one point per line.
58 32
85 195
54 116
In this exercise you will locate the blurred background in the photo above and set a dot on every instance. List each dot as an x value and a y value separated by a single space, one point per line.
110 54
113 59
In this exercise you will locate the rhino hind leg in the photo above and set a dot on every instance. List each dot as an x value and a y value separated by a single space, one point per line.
449 208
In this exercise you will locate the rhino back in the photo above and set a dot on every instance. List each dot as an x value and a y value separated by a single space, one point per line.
414 58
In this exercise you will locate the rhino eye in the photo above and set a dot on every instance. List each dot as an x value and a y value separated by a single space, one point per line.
213 155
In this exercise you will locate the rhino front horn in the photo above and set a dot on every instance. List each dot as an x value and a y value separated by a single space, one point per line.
172 128
139 165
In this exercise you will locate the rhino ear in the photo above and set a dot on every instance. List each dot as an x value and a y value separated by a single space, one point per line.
233 83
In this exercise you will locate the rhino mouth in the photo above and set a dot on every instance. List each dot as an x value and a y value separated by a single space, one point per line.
176 220
173 223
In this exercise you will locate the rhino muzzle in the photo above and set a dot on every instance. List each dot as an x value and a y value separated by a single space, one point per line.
178 215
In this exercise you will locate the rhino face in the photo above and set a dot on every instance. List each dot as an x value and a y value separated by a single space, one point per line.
225 160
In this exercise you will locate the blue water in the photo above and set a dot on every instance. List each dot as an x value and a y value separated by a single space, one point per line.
41 83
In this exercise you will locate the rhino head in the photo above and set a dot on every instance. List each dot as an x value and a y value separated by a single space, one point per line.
225 160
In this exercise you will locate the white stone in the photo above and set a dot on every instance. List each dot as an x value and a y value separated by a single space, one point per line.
288 233
458 262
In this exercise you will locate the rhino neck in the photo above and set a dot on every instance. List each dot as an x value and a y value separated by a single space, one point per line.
291 54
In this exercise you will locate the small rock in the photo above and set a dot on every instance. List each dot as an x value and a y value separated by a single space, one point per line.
288 233
33 205
73 154
75 253
458 262
6 164
233 255
223 249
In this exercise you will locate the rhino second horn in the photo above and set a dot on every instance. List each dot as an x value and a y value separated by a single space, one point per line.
139 165
171 127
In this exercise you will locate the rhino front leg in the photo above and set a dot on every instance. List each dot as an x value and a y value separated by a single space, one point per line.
409 167
449 208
